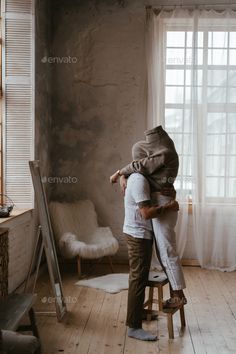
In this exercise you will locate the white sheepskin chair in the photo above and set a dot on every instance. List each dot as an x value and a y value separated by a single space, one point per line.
77 232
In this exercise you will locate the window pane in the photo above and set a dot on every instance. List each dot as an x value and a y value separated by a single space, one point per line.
173 120
232 57
197 77
187 121
174 94
199 39
184 176
177 139
232 143
175 39
187 184
217 56
232 95
187 166
214 187
218 39
232 39
187 144
174 77
216 122
232 166
215 144
232 188
189 39
196 59
216 95
175 57
215 166
217 77
197 94
232 122
232 77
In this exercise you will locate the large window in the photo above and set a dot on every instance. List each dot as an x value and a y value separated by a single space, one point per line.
200 99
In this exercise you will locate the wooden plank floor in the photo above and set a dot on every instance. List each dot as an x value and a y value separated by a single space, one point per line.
95 323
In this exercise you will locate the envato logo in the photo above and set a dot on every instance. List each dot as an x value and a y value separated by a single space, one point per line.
57 179
171 180
179 61
52 299
60 60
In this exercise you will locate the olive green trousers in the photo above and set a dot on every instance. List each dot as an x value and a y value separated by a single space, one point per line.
140 254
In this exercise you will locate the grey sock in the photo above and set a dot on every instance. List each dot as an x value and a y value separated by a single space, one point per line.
141 334
16 343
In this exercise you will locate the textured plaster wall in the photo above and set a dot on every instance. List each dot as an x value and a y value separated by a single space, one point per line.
98 77
43 88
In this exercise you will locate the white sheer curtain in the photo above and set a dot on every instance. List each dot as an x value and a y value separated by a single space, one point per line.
191 61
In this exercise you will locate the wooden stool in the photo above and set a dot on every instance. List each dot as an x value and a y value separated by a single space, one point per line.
159 282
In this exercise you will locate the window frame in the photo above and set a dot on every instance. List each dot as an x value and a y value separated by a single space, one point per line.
22 12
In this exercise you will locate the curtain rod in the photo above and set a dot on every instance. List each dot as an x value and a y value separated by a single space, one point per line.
190 5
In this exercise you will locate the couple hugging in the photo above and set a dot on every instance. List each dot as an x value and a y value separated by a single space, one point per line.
151 213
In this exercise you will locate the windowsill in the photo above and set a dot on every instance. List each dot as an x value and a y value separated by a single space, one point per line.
15 213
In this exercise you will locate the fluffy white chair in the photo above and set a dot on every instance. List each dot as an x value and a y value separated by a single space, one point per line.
77 232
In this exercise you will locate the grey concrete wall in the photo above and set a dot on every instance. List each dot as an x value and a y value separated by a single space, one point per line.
43 87
98 76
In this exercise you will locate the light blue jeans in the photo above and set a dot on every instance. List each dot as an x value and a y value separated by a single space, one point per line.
164 230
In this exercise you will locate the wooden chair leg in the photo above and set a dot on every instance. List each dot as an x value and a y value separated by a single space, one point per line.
79 266
150 302
182 317
160 298
150 297
111 265
170 289
170 325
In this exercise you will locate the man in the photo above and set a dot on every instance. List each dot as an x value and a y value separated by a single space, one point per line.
139 236
158 161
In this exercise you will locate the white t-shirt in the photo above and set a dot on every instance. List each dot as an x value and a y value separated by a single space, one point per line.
138 190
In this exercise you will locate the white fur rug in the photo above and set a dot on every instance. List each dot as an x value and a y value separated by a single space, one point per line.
114 283
111 283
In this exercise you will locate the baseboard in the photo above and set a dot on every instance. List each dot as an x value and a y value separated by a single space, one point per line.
190 262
